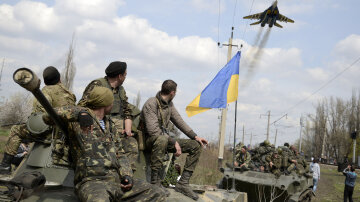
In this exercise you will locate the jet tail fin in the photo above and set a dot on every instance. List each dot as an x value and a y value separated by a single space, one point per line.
255 23
278 25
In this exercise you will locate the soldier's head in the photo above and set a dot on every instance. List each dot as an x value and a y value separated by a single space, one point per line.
279 150
168 88
100 99
116 73
243 149
51 76
266 143
275 153
286 145
293 148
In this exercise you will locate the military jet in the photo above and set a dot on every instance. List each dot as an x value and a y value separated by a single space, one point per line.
269 16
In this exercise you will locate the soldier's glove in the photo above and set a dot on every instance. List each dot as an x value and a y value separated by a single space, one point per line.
85 120
126 183
47 119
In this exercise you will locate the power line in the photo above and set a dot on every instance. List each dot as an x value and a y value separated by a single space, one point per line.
252 4
323 86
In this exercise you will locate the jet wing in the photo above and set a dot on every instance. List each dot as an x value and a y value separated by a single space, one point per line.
283 18
254 16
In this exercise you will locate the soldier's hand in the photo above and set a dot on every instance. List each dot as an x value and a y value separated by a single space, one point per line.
128 133
86 122
271 164
236 164
201 140
178 149
126 183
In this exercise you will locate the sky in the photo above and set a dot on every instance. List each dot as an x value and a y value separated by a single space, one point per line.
178 40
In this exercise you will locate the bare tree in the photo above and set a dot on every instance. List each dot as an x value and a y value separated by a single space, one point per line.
138 100
16 109
69 70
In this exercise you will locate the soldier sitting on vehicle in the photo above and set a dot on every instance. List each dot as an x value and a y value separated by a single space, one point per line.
57 95
243 159
274 161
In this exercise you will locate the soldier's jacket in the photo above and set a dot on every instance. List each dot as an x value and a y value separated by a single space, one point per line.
152 118
57 95
243 158
96 152
121 108
275 160
238 148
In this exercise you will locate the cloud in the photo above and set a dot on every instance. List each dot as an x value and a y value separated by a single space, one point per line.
36 15
318 74
89 9
8 21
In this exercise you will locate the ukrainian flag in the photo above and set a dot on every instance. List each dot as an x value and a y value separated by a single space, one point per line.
222 89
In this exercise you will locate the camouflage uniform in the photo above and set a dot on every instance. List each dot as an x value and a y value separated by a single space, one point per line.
159 142
242 158
121 110
100 162
276 161
58 96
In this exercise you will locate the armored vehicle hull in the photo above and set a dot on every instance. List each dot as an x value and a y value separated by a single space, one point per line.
261 186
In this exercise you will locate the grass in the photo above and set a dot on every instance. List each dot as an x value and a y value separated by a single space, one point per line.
3 137
331 185
206 172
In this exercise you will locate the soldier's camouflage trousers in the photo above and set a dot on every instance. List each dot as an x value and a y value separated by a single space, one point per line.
158 145
131 149
18 133
130 144
107 188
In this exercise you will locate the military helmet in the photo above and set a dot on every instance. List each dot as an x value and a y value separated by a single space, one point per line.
266 143
279 150
36 125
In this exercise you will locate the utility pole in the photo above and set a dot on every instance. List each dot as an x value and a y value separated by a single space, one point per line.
251 139
353 136
301 125
268 124
275 138
224 111
2 67
243 137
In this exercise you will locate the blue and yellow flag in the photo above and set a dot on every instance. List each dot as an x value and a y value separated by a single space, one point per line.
222 89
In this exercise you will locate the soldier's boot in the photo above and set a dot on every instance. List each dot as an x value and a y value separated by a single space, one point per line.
5 165
183 186
155 179
229 165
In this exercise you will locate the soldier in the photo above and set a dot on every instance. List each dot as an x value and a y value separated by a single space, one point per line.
156 115
238 148
58 96
121 112
102 171
274 161
243 159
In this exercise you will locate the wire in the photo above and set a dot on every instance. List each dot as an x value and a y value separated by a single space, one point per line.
252 4
323 86
234 14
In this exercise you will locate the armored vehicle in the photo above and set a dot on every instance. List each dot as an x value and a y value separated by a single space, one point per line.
59 179
261 186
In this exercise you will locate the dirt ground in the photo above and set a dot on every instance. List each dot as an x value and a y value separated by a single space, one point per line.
331 185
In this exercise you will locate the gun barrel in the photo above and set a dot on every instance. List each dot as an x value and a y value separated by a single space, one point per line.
28 80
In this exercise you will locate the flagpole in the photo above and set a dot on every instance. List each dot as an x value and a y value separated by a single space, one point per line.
224 111
233 167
